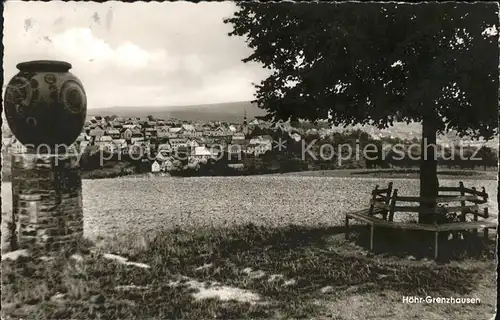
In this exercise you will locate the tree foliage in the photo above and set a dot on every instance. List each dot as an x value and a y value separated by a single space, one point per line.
376 62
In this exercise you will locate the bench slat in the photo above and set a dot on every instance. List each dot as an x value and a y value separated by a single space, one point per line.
479 193
468 190
466 225
379 191
440 199
400 225
449 189
378 202
359 215
473 208
418 209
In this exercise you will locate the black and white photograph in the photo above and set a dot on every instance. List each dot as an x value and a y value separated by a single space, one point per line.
250 160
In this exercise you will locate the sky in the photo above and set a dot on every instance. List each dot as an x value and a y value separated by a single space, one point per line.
136 54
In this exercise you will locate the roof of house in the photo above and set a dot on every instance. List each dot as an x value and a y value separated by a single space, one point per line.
164 146
105 138
253 145
82 136
130 126
175 129
96 132
163 128
202 151
266 137
136 132
188 127
163 134
163 157
120 141
8 141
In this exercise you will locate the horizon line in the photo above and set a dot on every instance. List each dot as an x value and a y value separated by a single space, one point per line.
176 105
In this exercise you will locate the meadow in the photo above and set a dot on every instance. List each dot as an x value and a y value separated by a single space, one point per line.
144 205
257 247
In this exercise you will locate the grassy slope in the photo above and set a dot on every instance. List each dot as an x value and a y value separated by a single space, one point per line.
362 284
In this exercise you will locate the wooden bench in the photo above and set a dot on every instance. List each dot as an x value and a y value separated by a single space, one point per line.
380 200
373 221
383 203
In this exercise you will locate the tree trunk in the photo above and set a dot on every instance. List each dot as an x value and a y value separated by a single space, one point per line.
428 170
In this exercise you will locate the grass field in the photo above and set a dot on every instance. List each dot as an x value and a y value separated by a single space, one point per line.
245 272
142 205
260 247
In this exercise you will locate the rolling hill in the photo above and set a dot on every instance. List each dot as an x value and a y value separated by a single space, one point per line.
230 112
234 111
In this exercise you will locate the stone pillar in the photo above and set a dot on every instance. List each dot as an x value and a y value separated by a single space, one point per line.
47 200
45 107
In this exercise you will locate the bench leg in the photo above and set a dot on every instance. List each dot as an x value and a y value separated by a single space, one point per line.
372 229
436 244
475 219
485 232
346 228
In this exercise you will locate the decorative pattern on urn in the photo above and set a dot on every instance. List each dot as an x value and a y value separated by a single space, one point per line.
45 104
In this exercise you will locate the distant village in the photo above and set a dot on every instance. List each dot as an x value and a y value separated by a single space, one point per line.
160 141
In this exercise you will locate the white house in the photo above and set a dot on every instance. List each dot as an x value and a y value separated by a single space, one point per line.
83 144
238 166
120 145
258 149
202 153
127 134
105 143
167 164
238 137
177 142
191 134
295 136
114 133
82 137
155 167
192 143
131 126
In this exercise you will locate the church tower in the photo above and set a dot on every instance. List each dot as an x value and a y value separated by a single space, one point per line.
245 124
